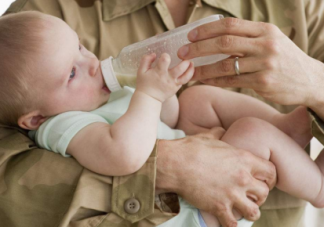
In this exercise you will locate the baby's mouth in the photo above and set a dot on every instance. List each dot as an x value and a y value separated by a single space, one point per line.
106 89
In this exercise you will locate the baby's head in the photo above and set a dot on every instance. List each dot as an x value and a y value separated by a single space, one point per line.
44 71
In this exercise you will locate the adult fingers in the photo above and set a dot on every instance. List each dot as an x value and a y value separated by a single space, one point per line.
225 44
187 75
249 80
231 26
263 170
163 62
146 62
179 69
225 215
247 208
226 68
258 192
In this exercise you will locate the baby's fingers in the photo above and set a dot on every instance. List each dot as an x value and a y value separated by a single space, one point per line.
179 69
146 63
187 75
164 62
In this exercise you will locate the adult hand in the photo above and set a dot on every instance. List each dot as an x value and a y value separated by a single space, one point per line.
269 62
213 176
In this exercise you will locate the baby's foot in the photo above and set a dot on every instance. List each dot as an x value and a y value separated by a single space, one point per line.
297 125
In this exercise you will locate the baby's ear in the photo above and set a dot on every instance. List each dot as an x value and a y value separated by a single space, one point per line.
31 121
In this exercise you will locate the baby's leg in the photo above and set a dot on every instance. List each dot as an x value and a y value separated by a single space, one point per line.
204 107
297 174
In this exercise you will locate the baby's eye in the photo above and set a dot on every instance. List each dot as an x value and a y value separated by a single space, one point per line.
72 75
80 47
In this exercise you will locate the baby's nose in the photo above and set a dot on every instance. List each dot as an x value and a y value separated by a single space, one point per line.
93 66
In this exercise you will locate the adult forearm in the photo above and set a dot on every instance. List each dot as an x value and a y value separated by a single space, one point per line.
169 167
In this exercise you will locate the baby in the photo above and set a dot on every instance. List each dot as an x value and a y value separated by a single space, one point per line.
53 86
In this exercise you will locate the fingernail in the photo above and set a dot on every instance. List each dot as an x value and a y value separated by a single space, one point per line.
193 35
183 51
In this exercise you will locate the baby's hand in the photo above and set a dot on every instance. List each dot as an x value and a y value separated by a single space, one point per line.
159 82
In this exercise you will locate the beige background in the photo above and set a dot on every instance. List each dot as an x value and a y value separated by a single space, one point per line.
4 4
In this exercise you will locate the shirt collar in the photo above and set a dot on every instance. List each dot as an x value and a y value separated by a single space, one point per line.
116 8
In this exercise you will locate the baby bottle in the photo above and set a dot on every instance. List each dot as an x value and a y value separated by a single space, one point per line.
121 71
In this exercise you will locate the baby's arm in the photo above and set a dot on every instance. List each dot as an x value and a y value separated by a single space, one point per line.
170 111
122 148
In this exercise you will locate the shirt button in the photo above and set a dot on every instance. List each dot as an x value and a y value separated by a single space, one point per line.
132 206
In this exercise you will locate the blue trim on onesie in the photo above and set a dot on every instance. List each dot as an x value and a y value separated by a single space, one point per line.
240 222
201 220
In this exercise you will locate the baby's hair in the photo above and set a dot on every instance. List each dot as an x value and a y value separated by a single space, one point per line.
19 41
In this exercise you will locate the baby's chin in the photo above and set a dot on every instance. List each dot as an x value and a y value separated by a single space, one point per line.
103 103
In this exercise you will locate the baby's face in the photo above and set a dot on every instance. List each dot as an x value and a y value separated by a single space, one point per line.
68 76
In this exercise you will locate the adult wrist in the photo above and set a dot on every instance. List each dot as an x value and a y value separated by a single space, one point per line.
316 98
169 166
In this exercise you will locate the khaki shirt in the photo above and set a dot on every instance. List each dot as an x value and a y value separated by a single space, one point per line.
40 188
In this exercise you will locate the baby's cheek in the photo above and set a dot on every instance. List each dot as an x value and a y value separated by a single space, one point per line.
90 95
87 95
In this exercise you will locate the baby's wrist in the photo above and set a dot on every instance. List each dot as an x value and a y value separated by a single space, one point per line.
148 95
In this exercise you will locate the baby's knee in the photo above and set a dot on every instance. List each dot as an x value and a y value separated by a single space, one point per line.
251 126
250 134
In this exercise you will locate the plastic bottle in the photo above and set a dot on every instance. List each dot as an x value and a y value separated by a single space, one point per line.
121 71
